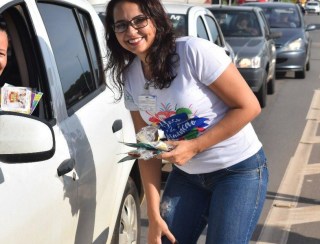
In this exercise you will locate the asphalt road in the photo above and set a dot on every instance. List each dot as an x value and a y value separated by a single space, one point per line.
289 130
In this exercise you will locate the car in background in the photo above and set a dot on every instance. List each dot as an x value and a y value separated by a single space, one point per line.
60 180
254 48
312 7
198 21
294 45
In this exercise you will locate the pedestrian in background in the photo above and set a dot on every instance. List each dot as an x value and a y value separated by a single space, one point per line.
191 90
301 7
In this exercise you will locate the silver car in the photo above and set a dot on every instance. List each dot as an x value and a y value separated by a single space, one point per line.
191 20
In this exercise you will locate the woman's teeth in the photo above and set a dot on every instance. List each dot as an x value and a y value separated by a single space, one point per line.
132 41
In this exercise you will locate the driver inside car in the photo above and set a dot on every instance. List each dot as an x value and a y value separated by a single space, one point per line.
3 48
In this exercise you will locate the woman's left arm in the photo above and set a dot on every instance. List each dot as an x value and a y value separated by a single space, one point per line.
231 87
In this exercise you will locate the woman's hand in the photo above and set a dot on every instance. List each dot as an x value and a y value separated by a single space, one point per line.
157 229
183 151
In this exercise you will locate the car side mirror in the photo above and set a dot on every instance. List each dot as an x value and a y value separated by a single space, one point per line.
311 27
25 138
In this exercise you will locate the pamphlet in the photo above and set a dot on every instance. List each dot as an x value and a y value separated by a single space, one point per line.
36 96
16 99
19 99
148 146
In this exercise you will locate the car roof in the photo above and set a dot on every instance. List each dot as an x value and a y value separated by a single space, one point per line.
182 8
271 4
100 7
227 7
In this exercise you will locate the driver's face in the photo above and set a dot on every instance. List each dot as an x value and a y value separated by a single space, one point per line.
3 50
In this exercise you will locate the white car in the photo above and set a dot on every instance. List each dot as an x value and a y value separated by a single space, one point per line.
312 7
60 180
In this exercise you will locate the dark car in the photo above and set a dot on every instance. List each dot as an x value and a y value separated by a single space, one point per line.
293 47
248 33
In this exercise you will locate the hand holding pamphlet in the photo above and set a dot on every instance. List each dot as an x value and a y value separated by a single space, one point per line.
148 146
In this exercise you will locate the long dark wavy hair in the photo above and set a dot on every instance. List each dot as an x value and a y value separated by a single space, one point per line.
162 56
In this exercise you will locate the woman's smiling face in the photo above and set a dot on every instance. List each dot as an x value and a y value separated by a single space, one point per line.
137 41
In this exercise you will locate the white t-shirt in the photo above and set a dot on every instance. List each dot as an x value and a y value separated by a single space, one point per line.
188 107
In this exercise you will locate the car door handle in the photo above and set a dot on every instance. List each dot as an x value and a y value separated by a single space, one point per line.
66 166
117 125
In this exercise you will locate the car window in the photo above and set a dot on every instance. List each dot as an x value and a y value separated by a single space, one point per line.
92 48
282 17
223 20
77 62
25 67
312 4
201 29
179 22
231 23
265 23
213 30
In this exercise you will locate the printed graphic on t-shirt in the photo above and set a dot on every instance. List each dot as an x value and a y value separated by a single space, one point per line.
178 123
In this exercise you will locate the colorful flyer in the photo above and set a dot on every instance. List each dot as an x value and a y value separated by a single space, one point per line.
16 99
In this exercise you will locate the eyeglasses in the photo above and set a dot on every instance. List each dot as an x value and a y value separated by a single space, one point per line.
137 22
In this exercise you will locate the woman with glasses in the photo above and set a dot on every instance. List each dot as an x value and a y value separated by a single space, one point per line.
189 88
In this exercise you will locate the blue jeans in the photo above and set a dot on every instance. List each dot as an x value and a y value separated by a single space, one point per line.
230 201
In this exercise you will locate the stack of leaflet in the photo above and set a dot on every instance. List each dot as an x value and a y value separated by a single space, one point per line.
149 144
19 99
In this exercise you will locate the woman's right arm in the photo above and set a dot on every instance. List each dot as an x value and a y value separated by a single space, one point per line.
150 171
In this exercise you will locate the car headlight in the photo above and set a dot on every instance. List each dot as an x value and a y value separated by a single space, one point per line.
294 45
249 62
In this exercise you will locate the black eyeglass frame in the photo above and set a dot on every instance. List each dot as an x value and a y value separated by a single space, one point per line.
132 23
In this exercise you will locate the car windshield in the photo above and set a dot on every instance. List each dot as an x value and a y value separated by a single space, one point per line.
282 17
179 22
238 23
313 4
